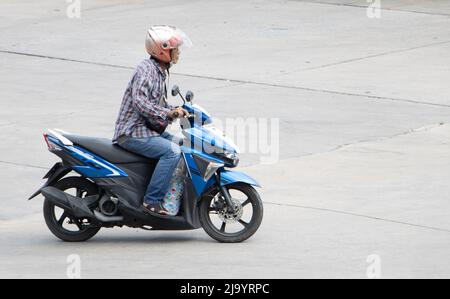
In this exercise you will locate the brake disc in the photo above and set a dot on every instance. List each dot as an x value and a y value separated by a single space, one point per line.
228 217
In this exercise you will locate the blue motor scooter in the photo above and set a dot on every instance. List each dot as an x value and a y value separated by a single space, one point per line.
98 184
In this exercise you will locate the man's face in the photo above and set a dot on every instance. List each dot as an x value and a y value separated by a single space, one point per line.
175 55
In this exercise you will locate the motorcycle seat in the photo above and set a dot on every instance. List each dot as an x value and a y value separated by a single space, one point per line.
104 148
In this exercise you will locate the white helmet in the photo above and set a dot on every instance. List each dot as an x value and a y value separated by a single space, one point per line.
161 39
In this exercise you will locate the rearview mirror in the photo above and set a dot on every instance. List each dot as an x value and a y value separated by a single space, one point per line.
175 90
189 96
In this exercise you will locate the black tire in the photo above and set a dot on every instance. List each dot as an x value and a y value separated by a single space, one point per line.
83 188
206 210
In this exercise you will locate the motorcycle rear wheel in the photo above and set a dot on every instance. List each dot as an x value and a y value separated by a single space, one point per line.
60 224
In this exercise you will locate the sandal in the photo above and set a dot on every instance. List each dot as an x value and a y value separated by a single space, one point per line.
155 208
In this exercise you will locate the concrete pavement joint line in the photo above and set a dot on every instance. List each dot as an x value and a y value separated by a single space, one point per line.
360 215
11 123
318 90
411 131
339 147
382 8
219 87
66 59
24 165
366 57
238 81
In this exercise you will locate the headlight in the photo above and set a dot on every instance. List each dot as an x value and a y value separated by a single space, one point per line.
230 158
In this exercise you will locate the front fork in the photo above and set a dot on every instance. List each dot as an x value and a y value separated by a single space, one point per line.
226 195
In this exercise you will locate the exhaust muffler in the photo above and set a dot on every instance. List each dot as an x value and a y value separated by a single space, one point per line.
74 205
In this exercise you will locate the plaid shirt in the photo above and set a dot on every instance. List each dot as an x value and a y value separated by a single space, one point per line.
144 99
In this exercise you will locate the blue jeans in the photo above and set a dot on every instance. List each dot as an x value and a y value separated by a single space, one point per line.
168 152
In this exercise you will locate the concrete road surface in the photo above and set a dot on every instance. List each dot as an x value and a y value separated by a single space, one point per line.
355 174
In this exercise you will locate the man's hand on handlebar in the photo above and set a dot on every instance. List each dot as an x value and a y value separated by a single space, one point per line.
177 113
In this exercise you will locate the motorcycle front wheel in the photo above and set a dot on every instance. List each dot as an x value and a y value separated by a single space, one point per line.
227 227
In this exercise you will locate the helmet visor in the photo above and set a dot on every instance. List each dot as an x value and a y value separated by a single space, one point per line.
170 37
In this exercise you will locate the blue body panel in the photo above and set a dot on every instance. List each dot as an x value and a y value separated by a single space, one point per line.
92 165
229 177
95 167
199 183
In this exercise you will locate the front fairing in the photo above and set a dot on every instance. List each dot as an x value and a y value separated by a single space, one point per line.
201 132
201 116
210 140
206 145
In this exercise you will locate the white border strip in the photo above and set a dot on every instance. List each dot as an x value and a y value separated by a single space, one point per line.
61 138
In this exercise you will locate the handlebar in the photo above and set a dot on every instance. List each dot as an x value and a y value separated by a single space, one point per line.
190 115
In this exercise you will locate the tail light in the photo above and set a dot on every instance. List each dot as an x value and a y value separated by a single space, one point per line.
52 146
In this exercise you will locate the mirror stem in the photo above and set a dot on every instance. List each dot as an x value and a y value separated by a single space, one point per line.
184 101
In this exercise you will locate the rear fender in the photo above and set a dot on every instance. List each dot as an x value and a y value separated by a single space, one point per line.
55 173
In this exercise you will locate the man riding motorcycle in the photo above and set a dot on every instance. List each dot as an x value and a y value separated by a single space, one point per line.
145 113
